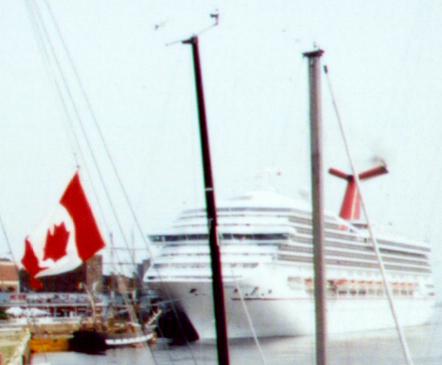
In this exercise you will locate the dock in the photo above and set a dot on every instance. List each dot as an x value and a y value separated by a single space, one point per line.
14 346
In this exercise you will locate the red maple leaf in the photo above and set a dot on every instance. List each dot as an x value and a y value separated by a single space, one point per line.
56 243
30 260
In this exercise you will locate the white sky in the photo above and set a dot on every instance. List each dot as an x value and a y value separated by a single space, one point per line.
383 57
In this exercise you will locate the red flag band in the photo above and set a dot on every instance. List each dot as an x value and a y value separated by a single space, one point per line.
88 237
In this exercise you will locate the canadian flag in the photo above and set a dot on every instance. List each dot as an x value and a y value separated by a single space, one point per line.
67 238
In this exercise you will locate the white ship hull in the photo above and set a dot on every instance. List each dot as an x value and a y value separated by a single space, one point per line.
293 316
276 308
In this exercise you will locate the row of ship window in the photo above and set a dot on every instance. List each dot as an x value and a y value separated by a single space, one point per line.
361 288
358 248
363 252
286 236
369 256
365 292
200 266
355 238
347 263
224 236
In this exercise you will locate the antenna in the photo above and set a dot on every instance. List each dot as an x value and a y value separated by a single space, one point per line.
214 16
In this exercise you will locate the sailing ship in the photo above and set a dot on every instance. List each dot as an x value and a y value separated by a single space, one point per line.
100 335
69 238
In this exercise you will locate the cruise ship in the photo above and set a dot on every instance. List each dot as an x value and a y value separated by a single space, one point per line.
266 247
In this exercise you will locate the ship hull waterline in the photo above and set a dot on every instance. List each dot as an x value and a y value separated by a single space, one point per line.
278 313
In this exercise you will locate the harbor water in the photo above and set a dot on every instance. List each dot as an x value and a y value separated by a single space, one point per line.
380 348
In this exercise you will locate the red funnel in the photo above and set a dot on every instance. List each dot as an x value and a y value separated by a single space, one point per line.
351 205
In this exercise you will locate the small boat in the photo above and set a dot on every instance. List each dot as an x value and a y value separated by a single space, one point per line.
100 336
95 341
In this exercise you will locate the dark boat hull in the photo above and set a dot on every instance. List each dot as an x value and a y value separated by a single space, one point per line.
88 341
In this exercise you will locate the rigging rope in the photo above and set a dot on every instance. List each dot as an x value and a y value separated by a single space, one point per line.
50 73
43 40
8 242
97 126
42 36
374 242
79 119
249 319
37 24
66 87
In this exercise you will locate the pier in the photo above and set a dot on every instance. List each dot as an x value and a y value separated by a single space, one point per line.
14 346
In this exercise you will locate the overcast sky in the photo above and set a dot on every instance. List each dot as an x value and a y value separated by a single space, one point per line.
384 60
